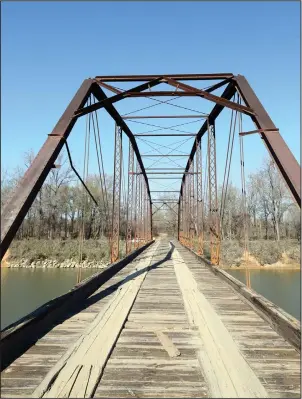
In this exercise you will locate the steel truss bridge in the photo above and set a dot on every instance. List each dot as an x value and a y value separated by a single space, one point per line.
190 206
162 321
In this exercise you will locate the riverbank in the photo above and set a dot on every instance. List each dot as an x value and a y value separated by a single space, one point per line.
34 253
54 264
261 255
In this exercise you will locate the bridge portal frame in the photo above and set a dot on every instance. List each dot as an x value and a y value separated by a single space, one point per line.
15 210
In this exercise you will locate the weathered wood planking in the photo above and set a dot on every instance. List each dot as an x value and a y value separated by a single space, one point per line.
282 322
157 351
274 360
21 335
140 364
78 372
227 372
47 351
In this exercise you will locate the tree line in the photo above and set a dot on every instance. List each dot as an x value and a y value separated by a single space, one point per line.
62 208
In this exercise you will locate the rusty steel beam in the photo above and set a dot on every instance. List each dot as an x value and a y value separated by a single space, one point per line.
144 78
100 95
151 219
130 199
179 220
218 85
111 100
115 232
213 199
137 204
199 199
108 87
141 212
24 195
258 131
279 151
228 93
191 208
210 97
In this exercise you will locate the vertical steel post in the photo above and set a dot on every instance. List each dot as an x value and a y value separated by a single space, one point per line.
144 214
147 218
130 198
213 201
199 203
184 212
181 218
150 219
187 212
115 236
137 204
178 220
192 219
140 211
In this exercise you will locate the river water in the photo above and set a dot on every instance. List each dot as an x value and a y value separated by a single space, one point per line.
23 290
282 287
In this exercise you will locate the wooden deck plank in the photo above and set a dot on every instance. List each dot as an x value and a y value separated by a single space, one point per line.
139 364
75 325
260 345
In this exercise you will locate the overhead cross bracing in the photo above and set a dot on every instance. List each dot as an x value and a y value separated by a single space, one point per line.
198 185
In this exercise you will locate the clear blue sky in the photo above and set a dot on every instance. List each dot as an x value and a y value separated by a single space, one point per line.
49 48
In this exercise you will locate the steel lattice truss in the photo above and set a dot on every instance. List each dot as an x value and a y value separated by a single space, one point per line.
115 241
196 214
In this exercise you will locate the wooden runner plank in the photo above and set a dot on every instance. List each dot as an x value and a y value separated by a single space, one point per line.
94 346
227 372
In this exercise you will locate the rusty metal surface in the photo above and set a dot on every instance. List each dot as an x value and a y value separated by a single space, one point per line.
130 199
258 131
228 93
100 95
117 179
213 199
199 199
143 78
281 154
105 101
16 209
211 97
